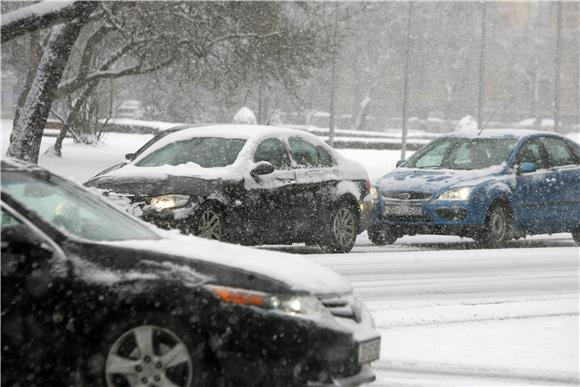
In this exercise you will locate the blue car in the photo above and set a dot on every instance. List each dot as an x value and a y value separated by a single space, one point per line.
492 187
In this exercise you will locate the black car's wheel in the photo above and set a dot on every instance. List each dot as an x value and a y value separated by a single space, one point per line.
209 222
382 235
497 229
340 234
151 351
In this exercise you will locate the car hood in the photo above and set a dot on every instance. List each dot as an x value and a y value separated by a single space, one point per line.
219 263
151 181
432 180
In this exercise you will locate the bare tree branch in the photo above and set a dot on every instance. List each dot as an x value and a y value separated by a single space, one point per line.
41 15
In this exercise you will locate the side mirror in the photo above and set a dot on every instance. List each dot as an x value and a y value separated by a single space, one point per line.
130 156
400 162
526 168
262 168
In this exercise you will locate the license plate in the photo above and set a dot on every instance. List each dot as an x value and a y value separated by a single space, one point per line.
369 351
404 210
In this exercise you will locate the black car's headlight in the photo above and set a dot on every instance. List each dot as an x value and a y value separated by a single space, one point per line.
456 194
374 193
290 304
169 201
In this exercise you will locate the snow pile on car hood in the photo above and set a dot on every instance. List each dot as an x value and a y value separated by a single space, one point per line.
190 169
298 273
432 180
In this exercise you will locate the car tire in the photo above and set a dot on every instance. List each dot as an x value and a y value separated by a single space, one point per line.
341 232
381 235
154 347
576 236
497 228
209 222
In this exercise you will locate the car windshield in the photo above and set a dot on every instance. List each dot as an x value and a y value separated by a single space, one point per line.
463 153
72 209
207 152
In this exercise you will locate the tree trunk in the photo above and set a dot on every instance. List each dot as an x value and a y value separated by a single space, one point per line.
363 111
78 103
34 55
32 119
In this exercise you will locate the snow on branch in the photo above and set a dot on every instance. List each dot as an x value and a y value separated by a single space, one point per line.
241 36
41 15
71 85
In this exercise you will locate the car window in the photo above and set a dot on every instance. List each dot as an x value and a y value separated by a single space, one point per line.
207 152
7 219
432 156
531 152
324 158
304 153
559 152
273 151
69 208
463 153
575 147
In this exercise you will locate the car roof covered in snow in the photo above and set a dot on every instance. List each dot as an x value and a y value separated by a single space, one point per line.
241 131
497 133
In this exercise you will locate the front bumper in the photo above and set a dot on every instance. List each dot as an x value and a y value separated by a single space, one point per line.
366 209
178 218
271 348
455 217
365 376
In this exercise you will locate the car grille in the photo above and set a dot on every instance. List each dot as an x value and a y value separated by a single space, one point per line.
390 195
344 306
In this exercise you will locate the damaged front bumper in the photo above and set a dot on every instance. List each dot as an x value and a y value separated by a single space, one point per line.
170 218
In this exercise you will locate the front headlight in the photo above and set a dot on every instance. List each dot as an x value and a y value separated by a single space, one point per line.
169 201
294 305
374 194
456 194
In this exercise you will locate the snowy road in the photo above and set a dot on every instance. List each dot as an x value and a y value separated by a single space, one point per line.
450 314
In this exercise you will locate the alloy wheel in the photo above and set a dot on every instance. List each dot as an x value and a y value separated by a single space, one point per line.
147 356
210 225
344 227
498 224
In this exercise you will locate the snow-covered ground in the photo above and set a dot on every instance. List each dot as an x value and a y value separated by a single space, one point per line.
449 314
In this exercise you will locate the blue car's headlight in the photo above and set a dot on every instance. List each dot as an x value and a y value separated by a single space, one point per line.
456 194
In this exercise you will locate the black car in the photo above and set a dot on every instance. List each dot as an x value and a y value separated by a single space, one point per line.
94 297
247 184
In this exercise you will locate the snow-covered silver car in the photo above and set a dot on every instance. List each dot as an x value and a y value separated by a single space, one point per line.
248 184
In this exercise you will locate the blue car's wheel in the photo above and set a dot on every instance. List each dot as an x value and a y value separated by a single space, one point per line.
497 229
